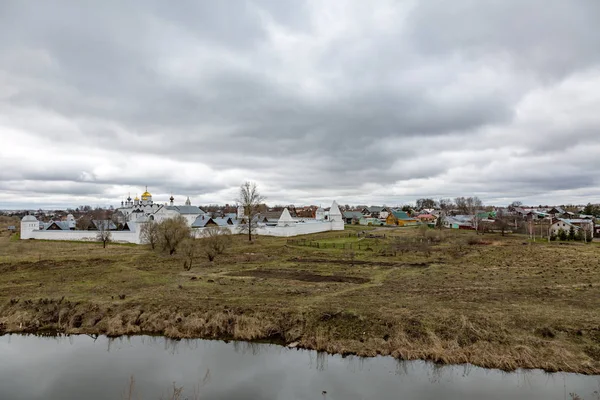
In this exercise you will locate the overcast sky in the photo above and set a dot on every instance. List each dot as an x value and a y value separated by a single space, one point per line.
368 102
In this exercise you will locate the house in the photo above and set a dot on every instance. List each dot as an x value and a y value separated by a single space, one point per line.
556 211
400 218
105 224
562 224
376 212
371 221
352 217
459 222
203 221
57 226
223 221
426 217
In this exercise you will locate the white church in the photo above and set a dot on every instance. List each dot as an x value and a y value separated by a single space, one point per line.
144 210
133 213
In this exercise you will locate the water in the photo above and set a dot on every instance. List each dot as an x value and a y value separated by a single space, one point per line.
80 367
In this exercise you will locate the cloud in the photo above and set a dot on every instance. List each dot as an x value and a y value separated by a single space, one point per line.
377 103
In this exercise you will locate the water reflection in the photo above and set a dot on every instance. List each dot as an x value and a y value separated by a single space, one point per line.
76 367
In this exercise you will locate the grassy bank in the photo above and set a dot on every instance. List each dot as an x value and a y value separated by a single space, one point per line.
500 303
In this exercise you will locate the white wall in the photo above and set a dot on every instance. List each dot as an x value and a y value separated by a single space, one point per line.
287 231
116 236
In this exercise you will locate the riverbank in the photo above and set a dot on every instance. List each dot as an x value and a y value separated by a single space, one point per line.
496 303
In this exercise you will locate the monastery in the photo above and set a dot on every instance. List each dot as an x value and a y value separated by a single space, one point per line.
144 210
133 213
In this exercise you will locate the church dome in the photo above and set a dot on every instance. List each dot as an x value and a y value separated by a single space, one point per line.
29 218
136 199
146 196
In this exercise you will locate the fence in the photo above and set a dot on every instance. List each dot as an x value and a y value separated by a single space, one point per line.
317 242
319 245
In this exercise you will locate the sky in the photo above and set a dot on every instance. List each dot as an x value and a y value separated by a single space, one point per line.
378 102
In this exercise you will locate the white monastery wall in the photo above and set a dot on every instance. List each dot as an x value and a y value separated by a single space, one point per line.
83 236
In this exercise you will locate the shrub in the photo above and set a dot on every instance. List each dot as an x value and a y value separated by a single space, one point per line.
562 235
474 240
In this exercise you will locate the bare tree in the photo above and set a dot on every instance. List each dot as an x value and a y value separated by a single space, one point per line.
83 223
426 203
149 234
501 222
171 232
445 207
250 199
215 241
190 249
103 234
470 206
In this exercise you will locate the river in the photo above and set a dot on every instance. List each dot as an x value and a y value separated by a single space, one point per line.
83 367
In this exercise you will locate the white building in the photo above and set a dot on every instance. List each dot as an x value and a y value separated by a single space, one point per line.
134 213
146 209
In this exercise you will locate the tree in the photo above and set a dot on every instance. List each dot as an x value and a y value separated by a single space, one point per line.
104 234
190 249
83 223
426 203
407 209
501 222
592 209
470 206
445 206
171 232
562 234
149 234
571 233
250 199
515 204
215 240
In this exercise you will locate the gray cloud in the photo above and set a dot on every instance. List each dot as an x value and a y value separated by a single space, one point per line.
314 101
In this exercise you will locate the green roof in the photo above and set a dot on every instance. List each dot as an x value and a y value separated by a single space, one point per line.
401 215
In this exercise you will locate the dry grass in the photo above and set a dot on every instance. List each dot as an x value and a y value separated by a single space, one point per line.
498 302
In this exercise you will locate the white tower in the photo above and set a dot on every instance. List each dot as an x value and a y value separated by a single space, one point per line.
29 224
320 214
71 221
335 217
240 212
286 218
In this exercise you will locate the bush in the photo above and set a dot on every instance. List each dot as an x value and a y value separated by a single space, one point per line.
474 240
562 235
172 232
553 237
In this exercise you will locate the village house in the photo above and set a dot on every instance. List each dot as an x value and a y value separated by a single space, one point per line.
400 218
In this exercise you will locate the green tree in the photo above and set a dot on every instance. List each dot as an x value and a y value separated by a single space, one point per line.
592 209
562 234
571 233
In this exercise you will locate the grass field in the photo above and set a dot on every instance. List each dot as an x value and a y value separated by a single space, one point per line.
502 303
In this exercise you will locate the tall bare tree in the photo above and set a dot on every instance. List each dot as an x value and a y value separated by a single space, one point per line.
149 234
249 198
103 234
